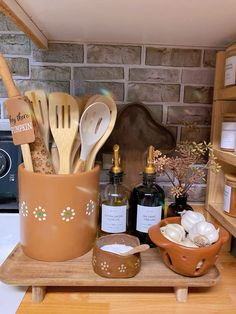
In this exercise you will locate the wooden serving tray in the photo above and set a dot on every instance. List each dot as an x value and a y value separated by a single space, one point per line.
18 269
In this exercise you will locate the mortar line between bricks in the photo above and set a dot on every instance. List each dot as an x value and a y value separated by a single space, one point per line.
85 47
202 56
126 81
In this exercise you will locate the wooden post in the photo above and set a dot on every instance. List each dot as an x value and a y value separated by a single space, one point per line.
181 294
38 294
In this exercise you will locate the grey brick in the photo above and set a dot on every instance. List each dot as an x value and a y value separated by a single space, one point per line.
98 73
18 66
156 111
198 94
197 194
198 76
155 75
195 133
6 24
193 115
48 86
70 53
173 57
209 58
114 54
153 92
50 73
91 88
15 44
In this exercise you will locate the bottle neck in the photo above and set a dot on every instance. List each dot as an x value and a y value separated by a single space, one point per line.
116 178
181 200
149 179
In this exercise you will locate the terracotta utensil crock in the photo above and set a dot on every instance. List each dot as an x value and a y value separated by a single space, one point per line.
58 214
184 260
112 265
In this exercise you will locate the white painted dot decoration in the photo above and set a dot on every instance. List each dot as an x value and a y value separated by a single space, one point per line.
137 264
40 213
24 209
122 268
90 207
68 214
94 260
104 266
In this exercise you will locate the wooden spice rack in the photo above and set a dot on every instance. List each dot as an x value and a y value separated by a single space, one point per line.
224 102
21 270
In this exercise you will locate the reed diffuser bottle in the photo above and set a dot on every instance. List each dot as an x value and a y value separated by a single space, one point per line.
147 202
114 200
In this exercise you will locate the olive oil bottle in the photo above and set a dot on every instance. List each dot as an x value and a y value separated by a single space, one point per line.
146 202
114 200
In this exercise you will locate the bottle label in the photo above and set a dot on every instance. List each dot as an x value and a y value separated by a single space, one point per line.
113 218
228 139
147 216
230 70
227 197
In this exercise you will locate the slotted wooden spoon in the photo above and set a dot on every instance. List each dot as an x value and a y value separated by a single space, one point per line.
64 121
113 112
93 124
39 101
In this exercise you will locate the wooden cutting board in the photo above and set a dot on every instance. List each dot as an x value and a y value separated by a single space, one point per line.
134 131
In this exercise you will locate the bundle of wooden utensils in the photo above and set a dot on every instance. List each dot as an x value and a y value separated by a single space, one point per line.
79 128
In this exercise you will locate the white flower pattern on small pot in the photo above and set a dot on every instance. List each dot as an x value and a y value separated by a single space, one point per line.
24 209
137 264
104 266
122 268
90 207
40 213
68 214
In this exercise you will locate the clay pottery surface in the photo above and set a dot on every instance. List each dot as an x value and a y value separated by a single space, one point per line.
184 260
112 265
58 214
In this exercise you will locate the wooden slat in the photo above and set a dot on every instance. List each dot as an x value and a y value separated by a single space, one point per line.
228 157
14 11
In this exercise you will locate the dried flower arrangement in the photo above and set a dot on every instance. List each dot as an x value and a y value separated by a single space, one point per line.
187 167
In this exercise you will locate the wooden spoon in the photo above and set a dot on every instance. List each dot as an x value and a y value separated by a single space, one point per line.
38 99
93 124
113 111
64 120
136 249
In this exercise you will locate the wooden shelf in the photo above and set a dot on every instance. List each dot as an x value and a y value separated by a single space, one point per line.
228 93
227 157
18 269
228 222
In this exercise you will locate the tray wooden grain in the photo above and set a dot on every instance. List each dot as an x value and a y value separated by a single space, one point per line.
19 269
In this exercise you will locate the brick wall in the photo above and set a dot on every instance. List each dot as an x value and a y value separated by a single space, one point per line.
176 84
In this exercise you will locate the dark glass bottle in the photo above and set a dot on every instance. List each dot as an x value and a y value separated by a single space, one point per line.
180 204
146 202
114 201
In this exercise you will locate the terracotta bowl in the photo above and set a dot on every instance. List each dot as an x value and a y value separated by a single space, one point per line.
183 260
112 265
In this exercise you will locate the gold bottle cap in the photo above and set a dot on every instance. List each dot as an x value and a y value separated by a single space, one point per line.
116 168
150 168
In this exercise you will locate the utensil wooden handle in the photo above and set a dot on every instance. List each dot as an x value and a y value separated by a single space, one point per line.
80 166
11 88
14 92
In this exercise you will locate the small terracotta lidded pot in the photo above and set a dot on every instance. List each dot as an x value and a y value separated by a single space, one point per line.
58 214
113 265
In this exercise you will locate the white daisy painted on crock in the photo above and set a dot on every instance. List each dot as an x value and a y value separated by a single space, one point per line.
104 266
122 268
90 207
68 214
40 213
24 209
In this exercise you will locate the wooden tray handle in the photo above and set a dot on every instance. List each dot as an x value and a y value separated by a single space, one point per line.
7 78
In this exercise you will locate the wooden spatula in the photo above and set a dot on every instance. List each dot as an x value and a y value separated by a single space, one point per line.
35 155
39 103
64 121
